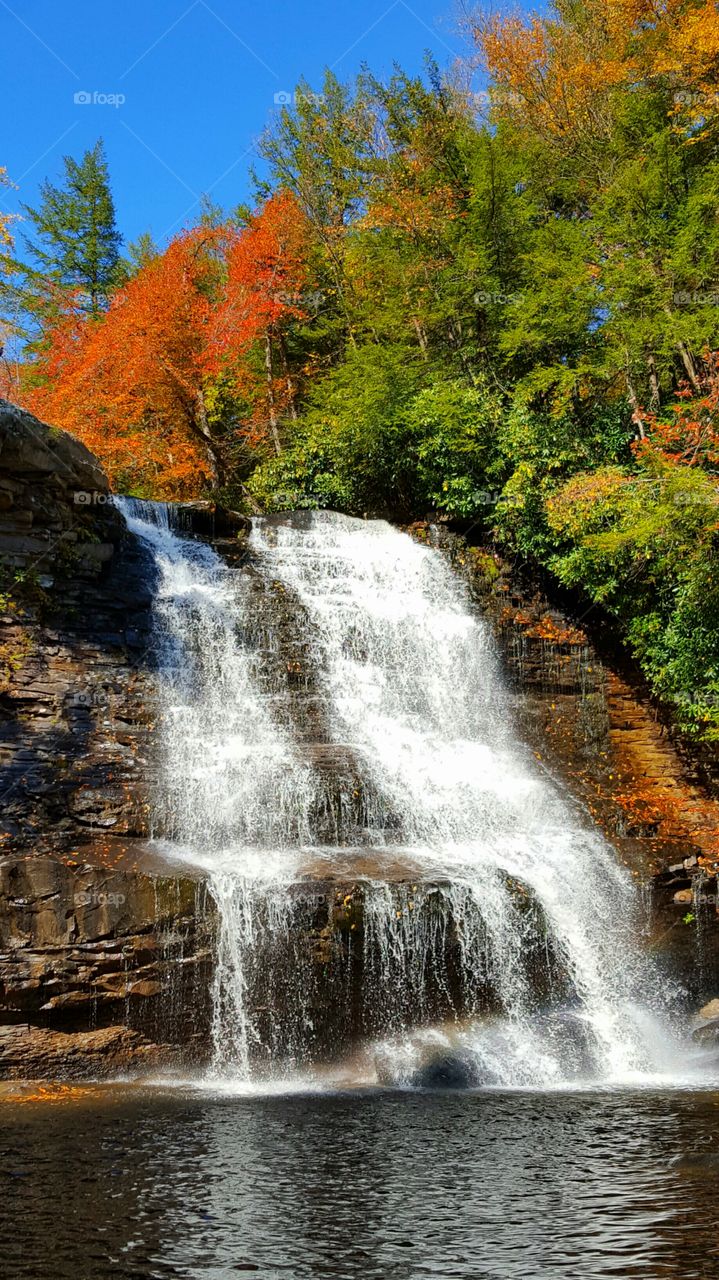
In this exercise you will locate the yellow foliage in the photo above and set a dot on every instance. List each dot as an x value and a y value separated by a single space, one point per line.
557 73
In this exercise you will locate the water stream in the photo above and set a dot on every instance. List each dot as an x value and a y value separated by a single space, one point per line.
335 708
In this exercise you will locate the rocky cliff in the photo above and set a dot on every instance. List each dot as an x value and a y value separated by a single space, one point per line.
593 722
92 951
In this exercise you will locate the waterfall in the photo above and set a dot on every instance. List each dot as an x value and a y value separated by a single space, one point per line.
486 892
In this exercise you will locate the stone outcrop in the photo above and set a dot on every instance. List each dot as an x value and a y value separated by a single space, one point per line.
592 721
84 949
75 698
90 945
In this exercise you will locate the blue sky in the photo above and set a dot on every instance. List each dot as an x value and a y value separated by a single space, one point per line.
198 78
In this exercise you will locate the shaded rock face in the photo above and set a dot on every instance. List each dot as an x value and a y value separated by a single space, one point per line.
86 949
100 972
592 722
75 687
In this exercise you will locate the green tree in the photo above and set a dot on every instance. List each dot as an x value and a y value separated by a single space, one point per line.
74 243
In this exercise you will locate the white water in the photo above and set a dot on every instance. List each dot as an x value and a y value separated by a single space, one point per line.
410 689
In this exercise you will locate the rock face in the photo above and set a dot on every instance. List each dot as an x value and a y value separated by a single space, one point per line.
75 698
84 949
99 963
590 718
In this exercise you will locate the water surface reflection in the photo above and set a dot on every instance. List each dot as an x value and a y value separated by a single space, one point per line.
124 1182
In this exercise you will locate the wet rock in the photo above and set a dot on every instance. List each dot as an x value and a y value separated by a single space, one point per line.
33 1053
84 947
75 648
449 1070
707 1035
211 520
710 1010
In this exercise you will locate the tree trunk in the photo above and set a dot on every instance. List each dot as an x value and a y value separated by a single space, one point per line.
201 428
690 367
272 405
633 400
653 382
421 336
291 393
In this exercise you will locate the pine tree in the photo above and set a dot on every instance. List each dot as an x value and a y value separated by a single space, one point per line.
76 246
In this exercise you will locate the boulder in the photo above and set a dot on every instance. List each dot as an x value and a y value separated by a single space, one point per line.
211 519
450 1070
707 1035
30 448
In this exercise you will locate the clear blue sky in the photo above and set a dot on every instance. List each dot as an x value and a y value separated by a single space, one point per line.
199 79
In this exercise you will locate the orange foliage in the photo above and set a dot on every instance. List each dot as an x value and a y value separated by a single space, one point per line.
129 384
557 73
132 384
266 277
691 434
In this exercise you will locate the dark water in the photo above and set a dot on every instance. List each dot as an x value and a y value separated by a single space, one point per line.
125 1183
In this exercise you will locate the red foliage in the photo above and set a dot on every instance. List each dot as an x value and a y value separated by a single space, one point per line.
132 384
690 435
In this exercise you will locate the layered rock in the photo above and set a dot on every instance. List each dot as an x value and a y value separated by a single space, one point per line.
591 719
88 947
75 698
99 972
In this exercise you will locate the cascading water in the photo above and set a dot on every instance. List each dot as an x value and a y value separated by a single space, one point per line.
496 867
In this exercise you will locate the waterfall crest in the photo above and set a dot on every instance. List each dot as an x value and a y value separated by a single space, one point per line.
345 641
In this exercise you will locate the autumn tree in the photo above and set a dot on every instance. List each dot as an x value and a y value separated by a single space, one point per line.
139 383
264 290
130 383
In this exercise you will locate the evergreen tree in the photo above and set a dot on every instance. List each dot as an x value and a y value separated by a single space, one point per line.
76 245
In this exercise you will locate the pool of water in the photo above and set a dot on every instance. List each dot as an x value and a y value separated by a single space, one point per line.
124 1181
